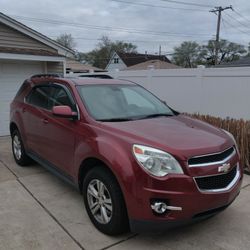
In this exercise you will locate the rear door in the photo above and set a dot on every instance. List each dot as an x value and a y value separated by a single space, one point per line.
34 113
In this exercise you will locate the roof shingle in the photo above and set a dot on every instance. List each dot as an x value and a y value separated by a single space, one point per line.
131 59
154 64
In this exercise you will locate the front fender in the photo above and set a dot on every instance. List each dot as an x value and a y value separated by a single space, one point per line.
117 156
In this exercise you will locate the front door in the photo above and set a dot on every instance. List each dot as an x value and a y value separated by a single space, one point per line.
59 134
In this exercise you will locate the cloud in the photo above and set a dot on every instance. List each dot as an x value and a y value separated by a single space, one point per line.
171 25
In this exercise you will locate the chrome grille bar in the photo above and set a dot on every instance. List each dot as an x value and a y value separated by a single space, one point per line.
205 164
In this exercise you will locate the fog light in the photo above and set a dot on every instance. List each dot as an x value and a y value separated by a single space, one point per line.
159 207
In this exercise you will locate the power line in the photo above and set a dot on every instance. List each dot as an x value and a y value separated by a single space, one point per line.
188 3
235 19
132 41
240 15
235 27
224 25
156 6
108 28
138 56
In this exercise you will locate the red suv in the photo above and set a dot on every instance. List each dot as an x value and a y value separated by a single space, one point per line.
137 162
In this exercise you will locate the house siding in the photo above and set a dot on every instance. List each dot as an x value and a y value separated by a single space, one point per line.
112 66
55 68
15 39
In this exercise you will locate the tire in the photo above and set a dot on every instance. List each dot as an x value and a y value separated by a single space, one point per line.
18 150
108 213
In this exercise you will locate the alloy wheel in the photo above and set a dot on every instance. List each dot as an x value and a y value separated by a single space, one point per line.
17 147
99 201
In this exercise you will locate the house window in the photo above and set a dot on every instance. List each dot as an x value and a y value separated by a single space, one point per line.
116 60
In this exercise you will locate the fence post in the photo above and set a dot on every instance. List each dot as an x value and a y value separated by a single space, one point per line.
149 78
116 75
199 75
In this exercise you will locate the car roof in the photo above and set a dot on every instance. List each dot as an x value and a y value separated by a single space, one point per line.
78 81
95 81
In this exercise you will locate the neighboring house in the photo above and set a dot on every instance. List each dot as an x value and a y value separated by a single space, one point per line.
120 61
73 66
153 64
243 62
24 52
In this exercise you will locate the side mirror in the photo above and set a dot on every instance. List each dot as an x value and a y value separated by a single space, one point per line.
64 112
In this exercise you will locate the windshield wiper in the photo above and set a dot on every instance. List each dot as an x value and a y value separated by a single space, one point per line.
115 120
124 119
156 115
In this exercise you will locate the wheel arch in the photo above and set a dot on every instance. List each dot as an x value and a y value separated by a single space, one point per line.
101 167
87 165
12 127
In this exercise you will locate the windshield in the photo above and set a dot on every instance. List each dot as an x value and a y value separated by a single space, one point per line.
121 102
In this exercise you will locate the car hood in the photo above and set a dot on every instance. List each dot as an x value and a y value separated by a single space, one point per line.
179 135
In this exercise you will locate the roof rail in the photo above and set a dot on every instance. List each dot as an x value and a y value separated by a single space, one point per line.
101 76
45 75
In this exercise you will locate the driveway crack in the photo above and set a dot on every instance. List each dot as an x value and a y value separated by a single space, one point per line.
245 186
119 242
44 208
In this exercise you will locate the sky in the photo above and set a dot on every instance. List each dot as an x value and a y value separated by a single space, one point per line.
147 24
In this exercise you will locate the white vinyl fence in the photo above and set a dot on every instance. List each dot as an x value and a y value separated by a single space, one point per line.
222 92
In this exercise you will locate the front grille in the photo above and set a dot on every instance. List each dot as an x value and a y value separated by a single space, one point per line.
212 158
216 181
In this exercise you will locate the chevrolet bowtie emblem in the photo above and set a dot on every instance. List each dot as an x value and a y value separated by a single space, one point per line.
224 168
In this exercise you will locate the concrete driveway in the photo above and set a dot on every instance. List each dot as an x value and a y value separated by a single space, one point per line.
39 211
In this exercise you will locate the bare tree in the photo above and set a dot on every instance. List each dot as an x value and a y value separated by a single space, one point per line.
100 56
187 54
67 41
190 54
228 52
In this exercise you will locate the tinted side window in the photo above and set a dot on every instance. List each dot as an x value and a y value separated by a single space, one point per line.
39 97
21 89
60 97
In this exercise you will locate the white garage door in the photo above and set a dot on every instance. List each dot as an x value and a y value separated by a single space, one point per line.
12 75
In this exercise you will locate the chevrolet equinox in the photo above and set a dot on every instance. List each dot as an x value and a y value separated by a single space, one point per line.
139 164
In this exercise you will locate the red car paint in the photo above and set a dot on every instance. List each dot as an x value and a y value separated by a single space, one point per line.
67 144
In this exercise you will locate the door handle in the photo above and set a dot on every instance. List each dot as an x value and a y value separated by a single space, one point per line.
45 121
24 110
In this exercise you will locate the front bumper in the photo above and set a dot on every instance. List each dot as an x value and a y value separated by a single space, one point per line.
182 192
158 226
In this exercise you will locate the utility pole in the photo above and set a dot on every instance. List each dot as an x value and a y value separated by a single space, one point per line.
217 41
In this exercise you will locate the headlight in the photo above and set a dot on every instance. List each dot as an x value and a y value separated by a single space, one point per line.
156 162
232 137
